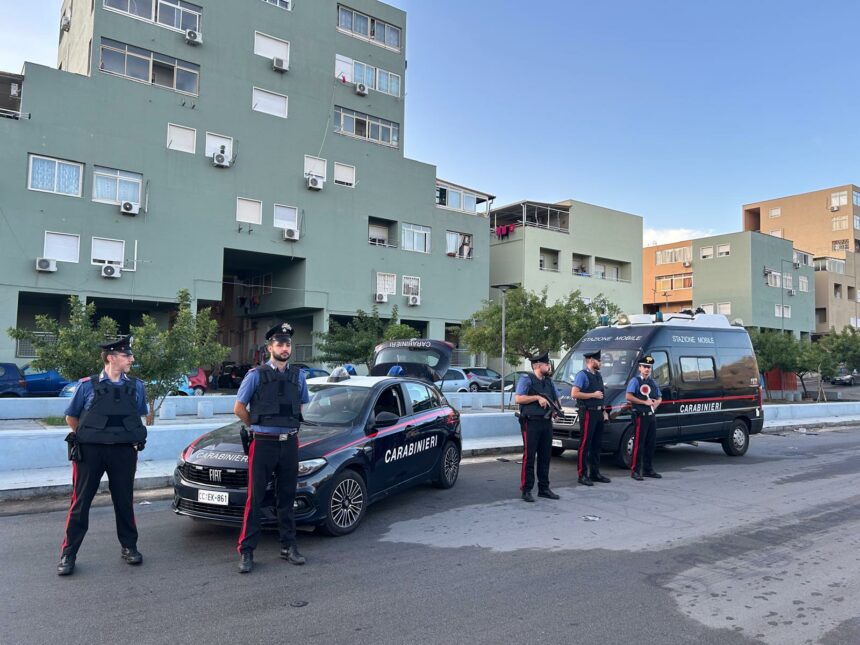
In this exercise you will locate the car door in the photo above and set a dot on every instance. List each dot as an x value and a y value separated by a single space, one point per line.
388 442
425 430
667 413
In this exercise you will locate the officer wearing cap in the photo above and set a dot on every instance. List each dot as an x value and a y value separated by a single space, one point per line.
275 392
106 435
536 395
588 391
645 396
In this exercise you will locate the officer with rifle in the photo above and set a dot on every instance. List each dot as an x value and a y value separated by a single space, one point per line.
537 397
588 391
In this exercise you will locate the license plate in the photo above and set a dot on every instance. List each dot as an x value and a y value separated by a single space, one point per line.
556 443
213 497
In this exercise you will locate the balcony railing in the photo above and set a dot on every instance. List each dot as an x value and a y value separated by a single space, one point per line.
598 276
375 241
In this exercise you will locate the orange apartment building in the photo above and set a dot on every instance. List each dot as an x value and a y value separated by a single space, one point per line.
827 224
667 277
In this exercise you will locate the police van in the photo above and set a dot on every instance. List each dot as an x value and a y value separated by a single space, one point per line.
706 370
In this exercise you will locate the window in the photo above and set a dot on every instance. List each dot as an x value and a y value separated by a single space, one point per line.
249 210
377 234
149 67
697 368
116 186
829 264
348 70
55 176
458 245
456 199
840 245
774 212
411 285
219 143
344 175
670 256
786 311
802 258
173 14
286 216
839 199
837 291
856 197
774 279
708 308
724 308
706 252
416 238
776 232
386 283
181 138
857 221
62 247
388 82
422 400
803 283
724 250
283 4
363 26
363 126
660 372
315 167
269 103
271 47
788 281
839 223
106 251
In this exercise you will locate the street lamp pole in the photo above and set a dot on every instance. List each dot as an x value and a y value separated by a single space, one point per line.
503 288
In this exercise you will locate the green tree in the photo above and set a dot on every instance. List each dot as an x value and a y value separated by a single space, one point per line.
164 355
774 350
355 341
844 347
532 325
814 358
72 348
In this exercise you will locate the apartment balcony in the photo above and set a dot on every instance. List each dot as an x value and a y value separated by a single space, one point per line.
505 222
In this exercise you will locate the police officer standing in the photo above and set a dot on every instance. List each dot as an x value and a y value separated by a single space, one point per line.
645 396
588 391
537 396
276 392
106 435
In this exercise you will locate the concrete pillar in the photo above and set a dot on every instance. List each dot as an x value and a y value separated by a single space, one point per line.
8 318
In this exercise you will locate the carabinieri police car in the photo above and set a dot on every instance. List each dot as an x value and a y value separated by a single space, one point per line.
363 438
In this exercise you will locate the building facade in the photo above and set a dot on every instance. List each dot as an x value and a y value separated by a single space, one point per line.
760 279
826 223
248 151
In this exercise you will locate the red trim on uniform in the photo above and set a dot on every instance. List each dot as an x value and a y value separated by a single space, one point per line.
71 506
525 432
582 442
636 442
247 497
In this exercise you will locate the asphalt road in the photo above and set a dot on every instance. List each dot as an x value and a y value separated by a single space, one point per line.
758 549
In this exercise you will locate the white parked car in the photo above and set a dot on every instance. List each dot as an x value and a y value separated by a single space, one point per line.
454 380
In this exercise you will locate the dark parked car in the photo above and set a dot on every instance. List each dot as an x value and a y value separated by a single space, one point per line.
12 380
231 375
48 383
362 439
510 381
844 377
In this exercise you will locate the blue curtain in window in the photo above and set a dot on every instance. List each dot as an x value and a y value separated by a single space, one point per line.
42 174
68 179
105 188
129 191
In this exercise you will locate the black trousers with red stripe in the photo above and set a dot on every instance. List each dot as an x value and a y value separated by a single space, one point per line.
120 464
591 441
537 443
265 457
644 442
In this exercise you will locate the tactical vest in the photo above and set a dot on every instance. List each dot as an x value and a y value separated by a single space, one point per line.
595 384
277 400
113 417
644 409
538 386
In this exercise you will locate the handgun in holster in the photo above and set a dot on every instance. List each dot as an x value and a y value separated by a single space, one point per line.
246 439
73 447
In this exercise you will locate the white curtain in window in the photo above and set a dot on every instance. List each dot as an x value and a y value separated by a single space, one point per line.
129 191
61 246
42 173
286 216
344 174
108 251
315 166
271 47
68 179
249 210
269 102
182 139
452 242
343 69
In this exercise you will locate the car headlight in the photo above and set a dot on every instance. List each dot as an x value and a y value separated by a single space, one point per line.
310 466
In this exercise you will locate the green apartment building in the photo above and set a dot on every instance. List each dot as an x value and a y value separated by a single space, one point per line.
250 151
758 278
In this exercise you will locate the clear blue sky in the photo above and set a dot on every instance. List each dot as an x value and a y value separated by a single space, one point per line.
676 110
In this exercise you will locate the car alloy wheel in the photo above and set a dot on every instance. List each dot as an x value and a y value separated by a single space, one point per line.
346 504
473 387
449 466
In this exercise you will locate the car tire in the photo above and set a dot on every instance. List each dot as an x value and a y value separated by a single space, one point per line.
449 466
474 387
199 391
348 497
624 455
557 452
738 441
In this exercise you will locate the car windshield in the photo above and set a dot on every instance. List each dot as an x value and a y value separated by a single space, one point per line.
615 366
333 404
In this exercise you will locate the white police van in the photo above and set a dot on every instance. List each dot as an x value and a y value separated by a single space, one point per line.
706 370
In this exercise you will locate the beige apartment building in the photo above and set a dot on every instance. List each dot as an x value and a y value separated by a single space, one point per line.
825 223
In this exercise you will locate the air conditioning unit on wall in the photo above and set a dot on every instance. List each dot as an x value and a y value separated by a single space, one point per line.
279 65
129 208
361 89
111 271
47 265
414 301
221 160
381 297
314 183
193 37
291 234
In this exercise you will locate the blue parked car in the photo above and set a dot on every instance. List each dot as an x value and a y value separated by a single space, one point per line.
12 381
43 383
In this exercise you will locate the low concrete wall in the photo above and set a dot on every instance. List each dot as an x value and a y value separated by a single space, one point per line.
41 407
789 411
24 450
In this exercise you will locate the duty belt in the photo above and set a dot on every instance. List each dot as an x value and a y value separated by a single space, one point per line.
275 437
598 408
